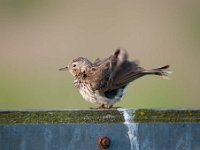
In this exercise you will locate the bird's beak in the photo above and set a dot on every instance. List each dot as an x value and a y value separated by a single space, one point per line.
63 69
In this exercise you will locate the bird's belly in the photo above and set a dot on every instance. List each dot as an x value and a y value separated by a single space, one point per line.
87 94
108 98
94 97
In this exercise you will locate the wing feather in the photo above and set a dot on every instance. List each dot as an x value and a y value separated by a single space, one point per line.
117 71
114 72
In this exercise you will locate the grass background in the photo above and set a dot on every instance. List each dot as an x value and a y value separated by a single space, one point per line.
39 37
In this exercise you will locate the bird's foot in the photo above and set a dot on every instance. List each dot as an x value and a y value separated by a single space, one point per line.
100 107
103 106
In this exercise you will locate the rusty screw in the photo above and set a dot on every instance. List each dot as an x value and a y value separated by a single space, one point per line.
104 142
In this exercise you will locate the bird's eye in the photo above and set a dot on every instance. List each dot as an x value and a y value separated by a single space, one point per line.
74 65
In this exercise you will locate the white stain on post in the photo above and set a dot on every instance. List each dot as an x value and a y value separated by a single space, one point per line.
132 127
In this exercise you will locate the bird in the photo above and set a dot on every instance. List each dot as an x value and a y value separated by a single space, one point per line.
104 81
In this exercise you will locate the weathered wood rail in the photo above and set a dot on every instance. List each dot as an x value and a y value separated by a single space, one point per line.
99 116
137 129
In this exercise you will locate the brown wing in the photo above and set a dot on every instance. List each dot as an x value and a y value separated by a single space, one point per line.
117 71
113 72
100 74
126 73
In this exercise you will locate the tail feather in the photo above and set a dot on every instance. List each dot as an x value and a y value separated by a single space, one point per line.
164 67
162 71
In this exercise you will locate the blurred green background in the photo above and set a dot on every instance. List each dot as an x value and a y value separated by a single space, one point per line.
37 37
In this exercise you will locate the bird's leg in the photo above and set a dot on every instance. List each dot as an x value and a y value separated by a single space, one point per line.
102 107
109 106
105 107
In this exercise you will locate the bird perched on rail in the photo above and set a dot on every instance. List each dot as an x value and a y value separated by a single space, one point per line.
104 81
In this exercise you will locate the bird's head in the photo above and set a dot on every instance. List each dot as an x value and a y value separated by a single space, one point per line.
78 66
